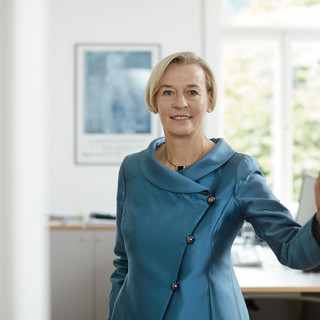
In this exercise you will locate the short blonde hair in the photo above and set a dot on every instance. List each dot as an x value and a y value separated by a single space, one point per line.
157 73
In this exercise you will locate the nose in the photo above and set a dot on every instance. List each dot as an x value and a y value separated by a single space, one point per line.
180 101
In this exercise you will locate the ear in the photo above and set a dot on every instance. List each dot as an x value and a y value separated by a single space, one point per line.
210 103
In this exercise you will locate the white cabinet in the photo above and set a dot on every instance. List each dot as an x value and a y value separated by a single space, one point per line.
81 265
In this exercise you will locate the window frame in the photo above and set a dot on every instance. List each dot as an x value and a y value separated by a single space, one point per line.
215 36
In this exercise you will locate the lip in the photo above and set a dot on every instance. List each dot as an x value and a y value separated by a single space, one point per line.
181 117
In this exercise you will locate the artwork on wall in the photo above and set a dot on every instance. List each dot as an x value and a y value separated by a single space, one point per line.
112 119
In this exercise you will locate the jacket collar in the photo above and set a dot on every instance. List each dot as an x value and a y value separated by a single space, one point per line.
183 181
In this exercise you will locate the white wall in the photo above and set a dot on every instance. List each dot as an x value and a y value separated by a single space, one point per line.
175 24
24 293
3 269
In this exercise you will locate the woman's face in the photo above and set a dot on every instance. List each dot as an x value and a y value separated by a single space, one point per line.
183 100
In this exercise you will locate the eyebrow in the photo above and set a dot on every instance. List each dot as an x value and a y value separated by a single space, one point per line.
189 86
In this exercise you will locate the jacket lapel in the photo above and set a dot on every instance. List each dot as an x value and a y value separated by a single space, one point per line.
213 160
183 181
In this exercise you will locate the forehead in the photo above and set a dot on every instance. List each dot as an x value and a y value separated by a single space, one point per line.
184 74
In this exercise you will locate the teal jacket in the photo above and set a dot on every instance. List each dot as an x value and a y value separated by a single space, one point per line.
175 231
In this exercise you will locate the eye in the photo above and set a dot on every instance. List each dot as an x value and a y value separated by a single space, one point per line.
167 93
193 93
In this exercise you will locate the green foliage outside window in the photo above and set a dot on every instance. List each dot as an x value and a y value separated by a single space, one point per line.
306 121
248 105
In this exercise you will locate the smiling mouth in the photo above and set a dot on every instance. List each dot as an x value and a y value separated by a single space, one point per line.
181 117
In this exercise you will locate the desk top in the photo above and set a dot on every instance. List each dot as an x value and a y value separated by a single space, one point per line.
272 277
82 227
80 224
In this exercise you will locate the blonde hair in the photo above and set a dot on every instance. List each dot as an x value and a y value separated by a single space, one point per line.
157 73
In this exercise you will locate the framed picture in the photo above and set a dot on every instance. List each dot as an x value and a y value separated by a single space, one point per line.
112 119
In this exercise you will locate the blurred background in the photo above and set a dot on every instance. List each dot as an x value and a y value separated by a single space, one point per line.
266 58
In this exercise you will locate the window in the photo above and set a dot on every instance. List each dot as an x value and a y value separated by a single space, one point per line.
271 13
248 77
305 68
269 86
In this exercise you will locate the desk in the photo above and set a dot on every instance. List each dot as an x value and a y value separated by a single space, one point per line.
274 280
278 292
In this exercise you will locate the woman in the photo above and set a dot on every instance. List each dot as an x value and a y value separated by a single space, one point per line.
181 203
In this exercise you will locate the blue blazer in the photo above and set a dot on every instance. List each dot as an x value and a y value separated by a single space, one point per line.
175 231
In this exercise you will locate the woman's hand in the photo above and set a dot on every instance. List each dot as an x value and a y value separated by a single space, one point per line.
317 195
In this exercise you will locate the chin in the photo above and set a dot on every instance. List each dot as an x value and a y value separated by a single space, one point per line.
180 134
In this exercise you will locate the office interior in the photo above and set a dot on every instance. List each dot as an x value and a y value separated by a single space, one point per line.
38 172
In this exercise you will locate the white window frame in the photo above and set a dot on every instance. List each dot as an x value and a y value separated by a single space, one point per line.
215 36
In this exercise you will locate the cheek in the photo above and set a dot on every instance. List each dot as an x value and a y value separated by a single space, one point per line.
161 114
203 115
203 109
161 107
163 119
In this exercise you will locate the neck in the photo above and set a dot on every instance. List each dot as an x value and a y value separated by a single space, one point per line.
185 151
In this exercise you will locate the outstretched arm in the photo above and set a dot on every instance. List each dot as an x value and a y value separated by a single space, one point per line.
295 246
317 195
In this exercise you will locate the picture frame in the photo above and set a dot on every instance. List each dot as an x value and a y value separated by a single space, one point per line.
111 117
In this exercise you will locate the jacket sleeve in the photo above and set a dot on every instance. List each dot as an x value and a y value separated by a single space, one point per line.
121 263
294 246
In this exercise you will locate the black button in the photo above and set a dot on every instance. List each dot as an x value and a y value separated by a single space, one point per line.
190 239
174 286
211 200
